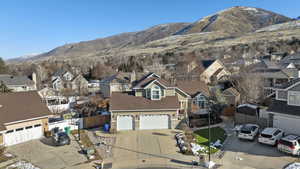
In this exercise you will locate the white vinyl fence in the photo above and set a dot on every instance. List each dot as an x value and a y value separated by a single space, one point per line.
72 123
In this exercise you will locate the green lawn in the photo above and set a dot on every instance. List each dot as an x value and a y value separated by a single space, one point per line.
217 133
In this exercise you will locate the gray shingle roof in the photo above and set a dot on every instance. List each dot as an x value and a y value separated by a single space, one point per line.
15 80
288 84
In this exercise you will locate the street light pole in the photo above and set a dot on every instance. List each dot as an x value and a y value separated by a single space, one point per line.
209 111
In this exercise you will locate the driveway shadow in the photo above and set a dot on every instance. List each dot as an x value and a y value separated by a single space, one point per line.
159 134
155 155
47 141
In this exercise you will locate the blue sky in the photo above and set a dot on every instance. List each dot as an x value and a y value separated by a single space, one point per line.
35 26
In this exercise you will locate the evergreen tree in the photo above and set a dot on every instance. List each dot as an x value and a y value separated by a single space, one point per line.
3 67
4 88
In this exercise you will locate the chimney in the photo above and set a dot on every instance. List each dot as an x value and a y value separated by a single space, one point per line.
133 76
34 79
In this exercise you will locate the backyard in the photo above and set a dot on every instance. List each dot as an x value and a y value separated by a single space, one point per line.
201 137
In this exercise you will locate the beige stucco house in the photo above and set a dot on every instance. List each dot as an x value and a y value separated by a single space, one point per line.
153 103
24 117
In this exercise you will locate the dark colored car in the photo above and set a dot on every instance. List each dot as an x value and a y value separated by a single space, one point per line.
61 139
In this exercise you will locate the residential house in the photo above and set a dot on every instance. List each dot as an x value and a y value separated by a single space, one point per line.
153 103
24 117
54 100
63 79
277 72
284 111
119 82
191 69
214 72
19 83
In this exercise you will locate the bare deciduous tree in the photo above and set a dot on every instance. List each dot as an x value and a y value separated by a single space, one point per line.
250 85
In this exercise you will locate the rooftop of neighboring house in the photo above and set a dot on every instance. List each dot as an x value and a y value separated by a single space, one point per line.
60 72
231 91
279 106
127 101
290 83
122 77
21 106
293 58
193 87
15 80
150 78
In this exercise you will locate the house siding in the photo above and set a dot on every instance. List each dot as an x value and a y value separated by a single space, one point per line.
43 121
295 88
170 92
1 139
282 95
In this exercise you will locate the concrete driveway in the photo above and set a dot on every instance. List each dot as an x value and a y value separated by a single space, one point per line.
43 155
242 154
148 148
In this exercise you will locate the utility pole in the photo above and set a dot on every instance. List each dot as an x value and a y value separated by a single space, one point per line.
209 140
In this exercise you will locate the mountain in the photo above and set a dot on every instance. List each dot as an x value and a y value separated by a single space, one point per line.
236 20
98 46
236 34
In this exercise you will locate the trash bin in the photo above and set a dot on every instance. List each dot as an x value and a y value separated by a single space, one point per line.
68 130
106 127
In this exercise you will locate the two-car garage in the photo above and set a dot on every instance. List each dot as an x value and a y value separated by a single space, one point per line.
290 125
148 122
23 134
145 122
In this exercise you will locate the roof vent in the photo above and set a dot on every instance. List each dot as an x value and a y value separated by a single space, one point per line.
1 106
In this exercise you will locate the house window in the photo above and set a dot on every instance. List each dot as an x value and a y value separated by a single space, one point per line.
201 101
294 98
155 93
148 93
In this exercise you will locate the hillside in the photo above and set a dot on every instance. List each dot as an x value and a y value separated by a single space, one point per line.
235 20
163 45
94 47
232 22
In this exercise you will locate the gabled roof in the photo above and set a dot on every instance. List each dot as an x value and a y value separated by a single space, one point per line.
231 91
128 102
21 106
282 107
15 80
60 72
117 78
193 87
289 84
293 58
148 79
206 63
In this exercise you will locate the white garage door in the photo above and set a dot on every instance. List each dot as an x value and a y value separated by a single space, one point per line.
21 135
154 122
289 125
124 123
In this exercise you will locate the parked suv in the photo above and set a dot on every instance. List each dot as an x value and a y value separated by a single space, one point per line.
270 136
289 144
248 131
